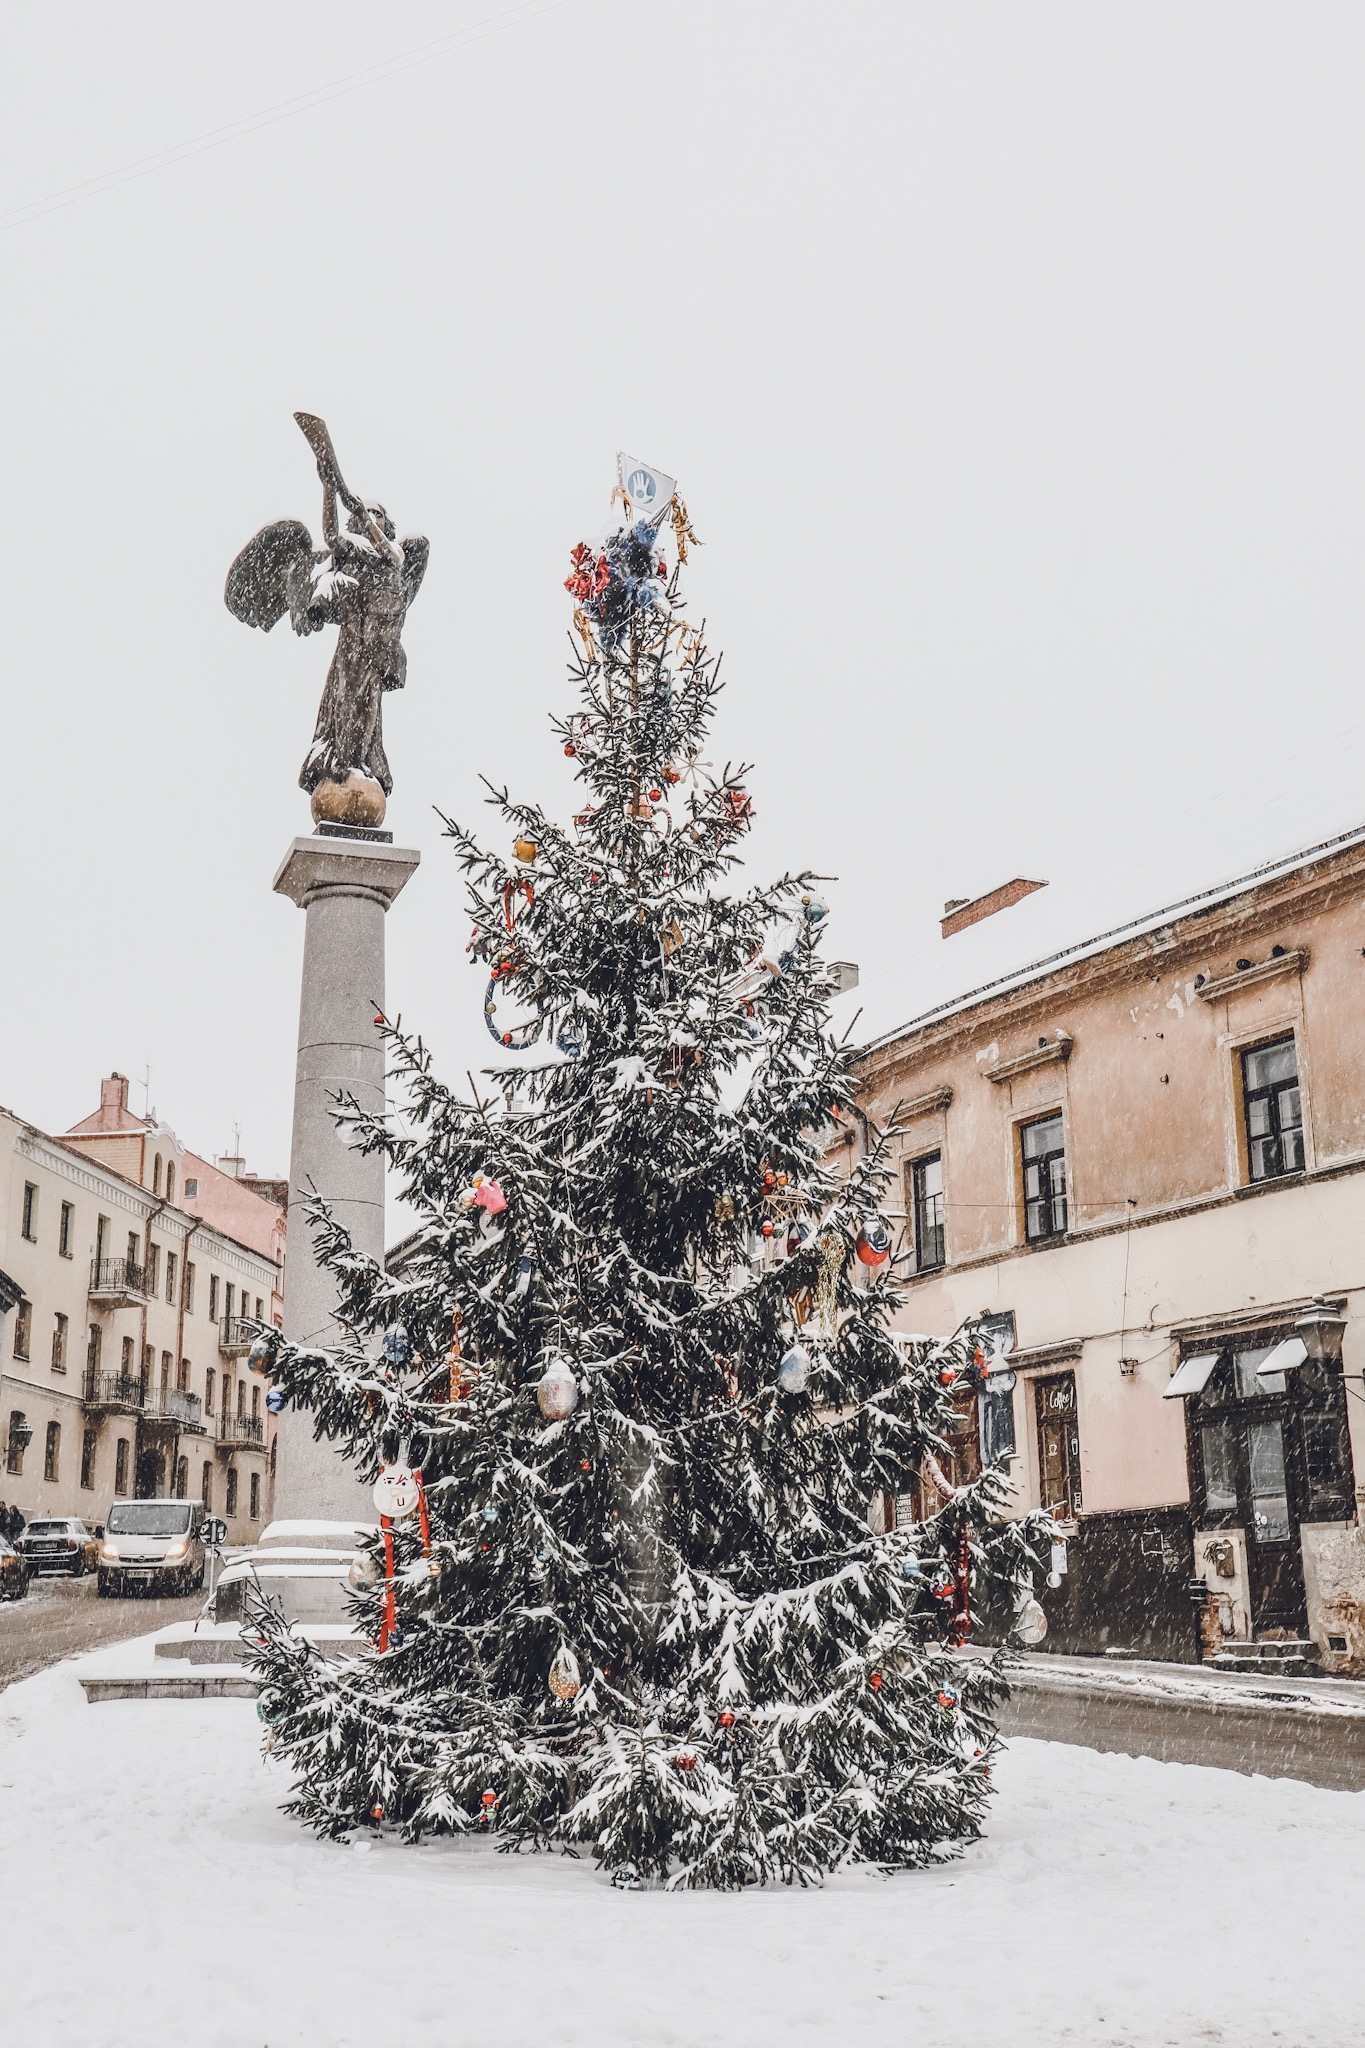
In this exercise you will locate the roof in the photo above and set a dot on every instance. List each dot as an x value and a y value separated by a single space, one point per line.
1110 896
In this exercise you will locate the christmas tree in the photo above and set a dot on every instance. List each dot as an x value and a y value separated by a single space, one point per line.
631 1389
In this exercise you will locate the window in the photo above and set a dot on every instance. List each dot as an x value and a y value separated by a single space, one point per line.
23 1326
182 1478
134 1248
231 1491
52 1451
64 1230
166 1364
172 1264
206 1486
30 1212
256 1402
170 1180
213 1297
191 1189
17 1441
88 1461
1059 1446
255 1494
121 1467
227 1395
182 1378
230 1298
1273 1109
1044 1154
260 1309
209 1378
241 1399
126 1359
156 1175
60 1326
153 1268
926 1178
94 1338
189 1288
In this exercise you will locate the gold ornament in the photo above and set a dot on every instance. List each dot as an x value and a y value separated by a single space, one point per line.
683 534
829 1265
564 1680
670 938
525 850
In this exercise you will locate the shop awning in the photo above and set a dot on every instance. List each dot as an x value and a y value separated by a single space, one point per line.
1286 1355
1192 1375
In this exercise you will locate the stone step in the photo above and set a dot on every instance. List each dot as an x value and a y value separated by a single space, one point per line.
175 1685
1286 1657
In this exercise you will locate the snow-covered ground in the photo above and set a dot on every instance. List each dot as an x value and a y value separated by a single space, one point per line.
152 1890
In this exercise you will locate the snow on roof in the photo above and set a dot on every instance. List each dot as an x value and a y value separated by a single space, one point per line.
1233 845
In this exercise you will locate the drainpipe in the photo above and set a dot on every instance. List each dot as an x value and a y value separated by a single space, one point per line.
152 1215
180 1318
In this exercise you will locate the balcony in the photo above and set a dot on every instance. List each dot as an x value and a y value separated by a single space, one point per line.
113 1393
168 1405
118 1283
241 1433
236 1335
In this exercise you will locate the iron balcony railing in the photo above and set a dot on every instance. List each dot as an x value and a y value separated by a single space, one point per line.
114 1390
117 1280
236 1335
241 1432
168 1404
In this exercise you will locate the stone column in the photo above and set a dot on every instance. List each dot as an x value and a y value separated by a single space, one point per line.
344 885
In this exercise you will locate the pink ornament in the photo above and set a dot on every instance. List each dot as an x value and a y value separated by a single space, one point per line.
488 1195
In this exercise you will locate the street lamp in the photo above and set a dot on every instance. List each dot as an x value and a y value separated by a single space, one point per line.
1321 1329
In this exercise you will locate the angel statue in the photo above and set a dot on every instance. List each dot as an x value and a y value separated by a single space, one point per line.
362 581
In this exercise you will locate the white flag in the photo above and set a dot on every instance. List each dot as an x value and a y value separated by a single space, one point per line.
648 492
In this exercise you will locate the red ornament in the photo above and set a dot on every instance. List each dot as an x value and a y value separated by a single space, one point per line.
672 775
585 1464
727 1720
948 1376
875 1681
656 796
489 1799
767 1229
376 1813
686 1761
945 1699
571 750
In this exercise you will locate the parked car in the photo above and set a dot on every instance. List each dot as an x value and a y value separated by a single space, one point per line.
59 1545
152 1546
14 1572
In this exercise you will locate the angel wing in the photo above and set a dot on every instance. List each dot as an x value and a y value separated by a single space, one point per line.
416 548
274 575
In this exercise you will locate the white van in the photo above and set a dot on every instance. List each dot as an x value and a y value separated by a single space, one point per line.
151 1546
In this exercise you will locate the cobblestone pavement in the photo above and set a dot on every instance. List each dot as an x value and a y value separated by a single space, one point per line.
60 1617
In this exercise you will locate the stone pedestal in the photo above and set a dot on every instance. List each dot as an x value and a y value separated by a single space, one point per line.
344 886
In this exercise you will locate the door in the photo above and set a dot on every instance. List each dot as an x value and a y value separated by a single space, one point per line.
1246 1482
1059 1447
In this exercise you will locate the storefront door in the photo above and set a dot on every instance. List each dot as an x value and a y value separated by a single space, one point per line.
1246 1484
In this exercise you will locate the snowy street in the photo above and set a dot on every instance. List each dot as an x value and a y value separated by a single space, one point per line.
59 1617
1114 1901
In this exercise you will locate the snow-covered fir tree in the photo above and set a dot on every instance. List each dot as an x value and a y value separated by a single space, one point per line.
639 1352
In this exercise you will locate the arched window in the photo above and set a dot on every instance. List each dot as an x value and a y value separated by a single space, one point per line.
156 1175
19 1434
231 1491
170 1180
52 1451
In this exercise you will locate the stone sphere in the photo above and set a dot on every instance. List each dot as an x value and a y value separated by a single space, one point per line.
358 800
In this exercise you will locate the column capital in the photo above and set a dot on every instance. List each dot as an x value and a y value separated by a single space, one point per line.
317 866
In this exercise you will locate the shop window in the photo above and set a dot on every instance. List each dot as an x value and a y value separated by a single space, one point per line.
52 1450
1270 1450
16 1442
88 1461
255 1496
231 1491
64 1230
121 1469
1273 1107
1059 1446
926 1193
1044 1162
23 1328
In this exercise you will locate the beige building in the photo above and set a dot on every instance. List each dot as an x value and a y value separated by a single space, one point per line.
129 1282
1143 1155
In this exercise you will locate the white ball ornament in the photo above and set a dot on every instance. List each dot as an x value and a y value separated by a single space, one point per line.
794 1371
396 1491
564 1679
1030 1622
557 1392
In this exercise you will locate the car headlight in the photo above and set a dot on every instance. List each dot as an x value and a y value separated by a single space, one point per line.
180 1548
109 1552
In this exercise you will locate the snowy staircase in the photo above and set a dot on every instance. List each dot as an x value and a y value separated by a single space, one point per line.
1295 1657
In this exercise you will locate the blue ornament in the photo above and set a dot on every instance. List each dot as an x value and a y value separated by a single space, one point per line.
797 1235
910 1567
397 1348
570 1044
490 1513
526 1266
277 1400
816 909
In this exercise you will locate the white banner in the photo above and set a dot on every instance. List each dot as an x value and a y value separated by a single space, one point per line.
648 492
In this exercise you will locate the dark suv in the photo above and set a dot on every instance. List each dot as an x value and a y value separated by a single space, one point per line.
63 1545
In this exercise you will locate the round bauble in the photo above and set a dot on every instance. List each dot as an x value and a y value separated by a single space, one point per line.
557 1392
277 1400
397 1347
1030 1622
396 1491
525 850
358 800
874 1242
262 1355
363 1570
794 1371
564 1680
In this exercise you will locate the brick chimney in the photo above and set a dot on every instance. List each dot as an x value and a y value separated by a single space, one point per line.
113 1101
960 911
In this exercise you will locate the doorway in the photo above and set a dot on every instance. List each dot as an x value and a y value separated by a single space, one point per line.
1059 1446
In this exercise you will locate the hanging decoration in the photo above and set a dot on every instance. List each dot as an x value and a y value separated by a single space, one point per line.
485 1194
398 1492
522 1037
397 1346
557 1392
277 1400
611 587
874 1242
829 1267
793 1374
564 1680
1030 1622
262 1355
525 850
960 1626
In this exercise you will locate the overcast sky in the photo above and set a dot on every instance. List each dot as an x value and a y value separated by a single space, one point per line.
1009 356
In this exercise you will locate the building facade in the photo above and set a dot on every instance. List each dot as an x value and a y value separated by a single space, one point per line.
1143 1158
125 1319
